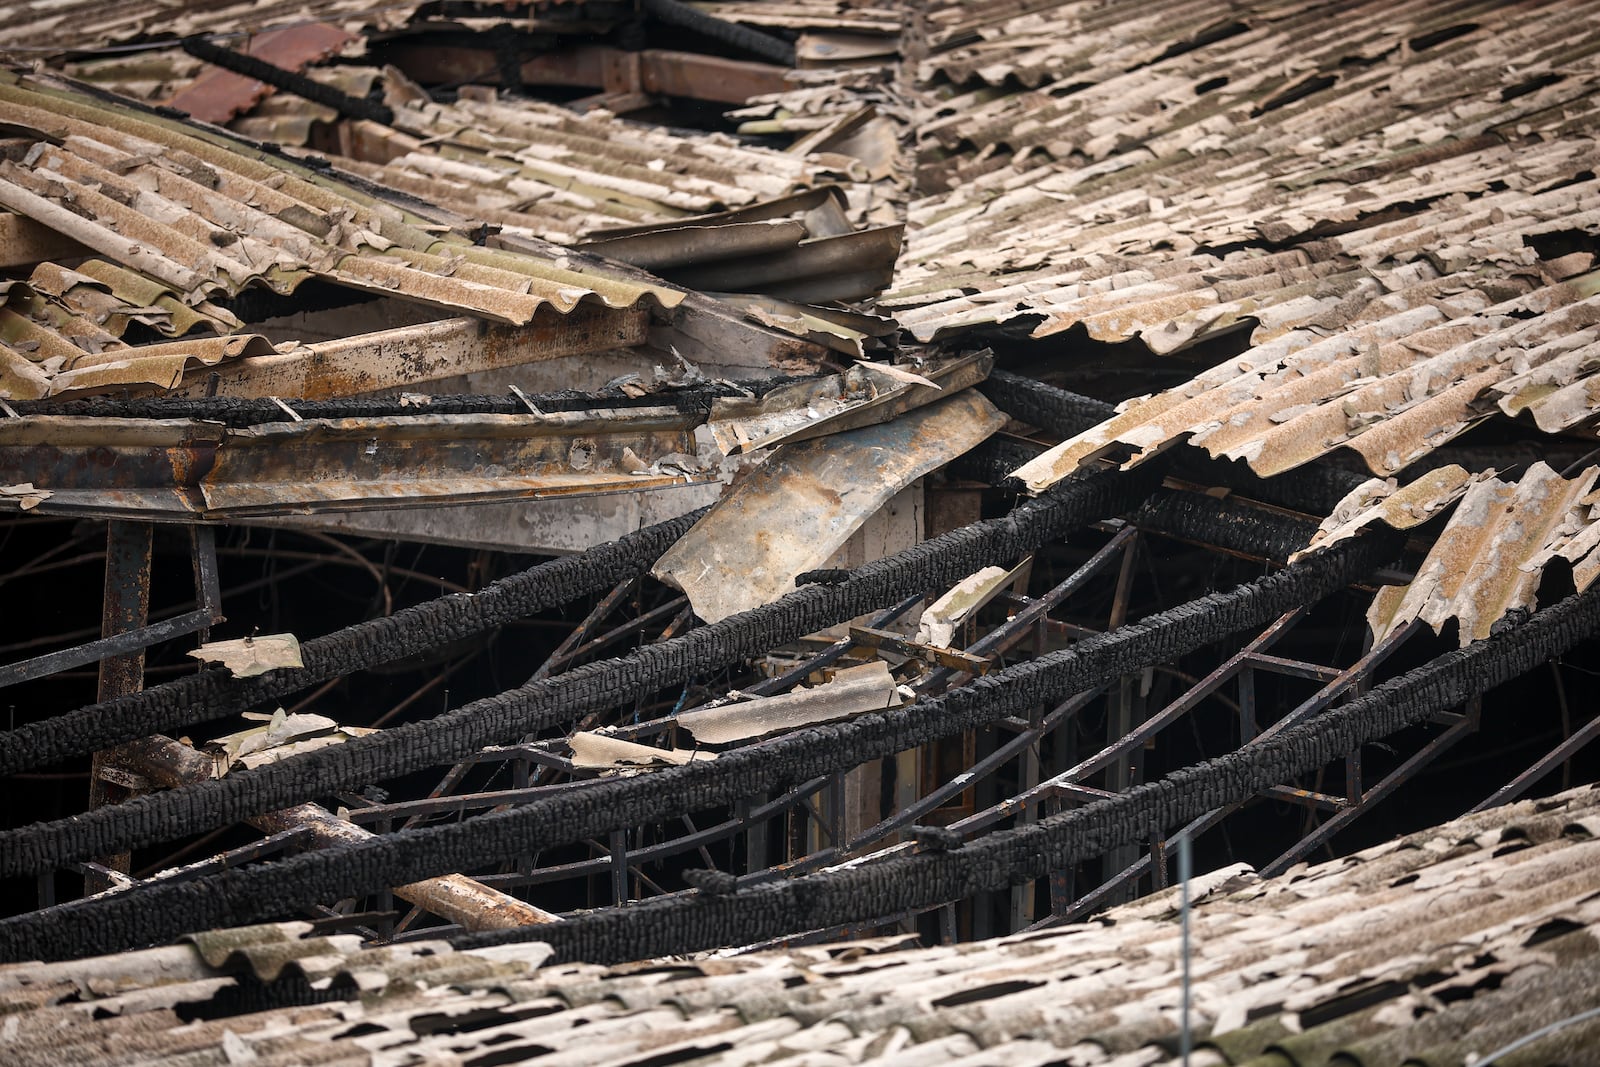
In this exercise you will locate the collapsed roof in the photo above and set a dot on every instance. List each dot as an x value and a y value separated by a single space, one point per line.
1345 253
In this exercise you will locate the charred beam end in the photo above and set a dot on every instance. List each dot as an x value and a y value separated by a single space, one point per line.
1314 487
289 81
1037 404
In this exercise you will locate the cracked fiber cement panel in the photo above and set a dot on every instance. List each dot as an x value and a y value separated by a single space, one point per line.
796 509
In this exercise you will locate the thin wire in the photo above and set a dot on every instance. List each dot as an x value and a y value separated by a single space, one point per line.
1542 1032
1185 872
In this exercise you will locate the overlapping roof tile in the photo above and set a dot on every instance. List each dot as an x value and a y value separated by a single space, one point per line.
1444 945
178 219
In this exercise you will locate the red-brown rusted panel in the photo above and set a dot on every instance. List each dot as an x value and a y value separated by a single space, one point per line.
218 95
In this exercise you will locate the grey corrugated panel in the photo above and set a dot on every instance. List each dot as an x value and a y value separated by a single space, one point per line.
1366 948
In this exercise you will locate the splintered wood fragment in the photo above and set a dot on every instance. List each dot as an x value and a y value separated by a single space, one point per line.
594 751
956 660
453 897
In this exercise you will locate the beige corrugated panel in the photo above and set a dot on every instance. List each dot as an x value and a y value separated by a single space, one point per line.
1039 43
558 174
1153 168
51 26
1394 200
1385 500
1123 70
1462 930
1491 555
177 218
1391 390
527 165
60 333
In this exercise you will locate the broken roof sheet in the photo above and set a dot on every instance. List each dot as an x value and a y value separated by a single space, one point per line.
558 174
1488 560
1361 957
800 506
533 167
31 27
177 218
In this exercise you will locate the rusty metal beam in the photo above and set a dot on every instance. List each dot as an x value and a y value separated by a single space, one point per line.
414 355
126 608
455 897
183 469
727 81
208 611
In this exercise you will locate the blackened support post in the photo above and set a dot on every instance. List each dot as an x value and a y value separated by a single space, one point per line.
125 607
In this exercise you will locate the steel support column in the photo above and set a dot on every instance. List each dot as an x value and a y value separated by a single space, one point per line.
125 607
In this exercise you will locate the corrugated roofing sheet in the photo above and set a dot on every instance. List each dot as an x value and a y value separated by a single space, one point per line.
1487 561
1387 210
1444 945
1397 202
530 166
558 174
179 218
57 26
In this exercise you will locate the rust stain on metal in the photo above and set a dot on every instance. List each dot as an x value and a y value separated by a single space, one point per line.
1488 560
218 95
795 510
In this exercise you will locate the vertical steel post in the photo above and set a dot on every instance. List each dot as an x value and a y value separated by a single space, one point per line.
1123 712
617 842
125 606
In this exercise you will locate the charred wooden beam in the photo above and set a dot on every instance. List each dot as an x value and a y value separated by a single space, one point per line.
455 897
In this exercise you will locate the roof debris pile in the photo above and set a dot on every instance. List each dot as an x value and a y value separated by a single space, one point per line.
861 630
537 168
